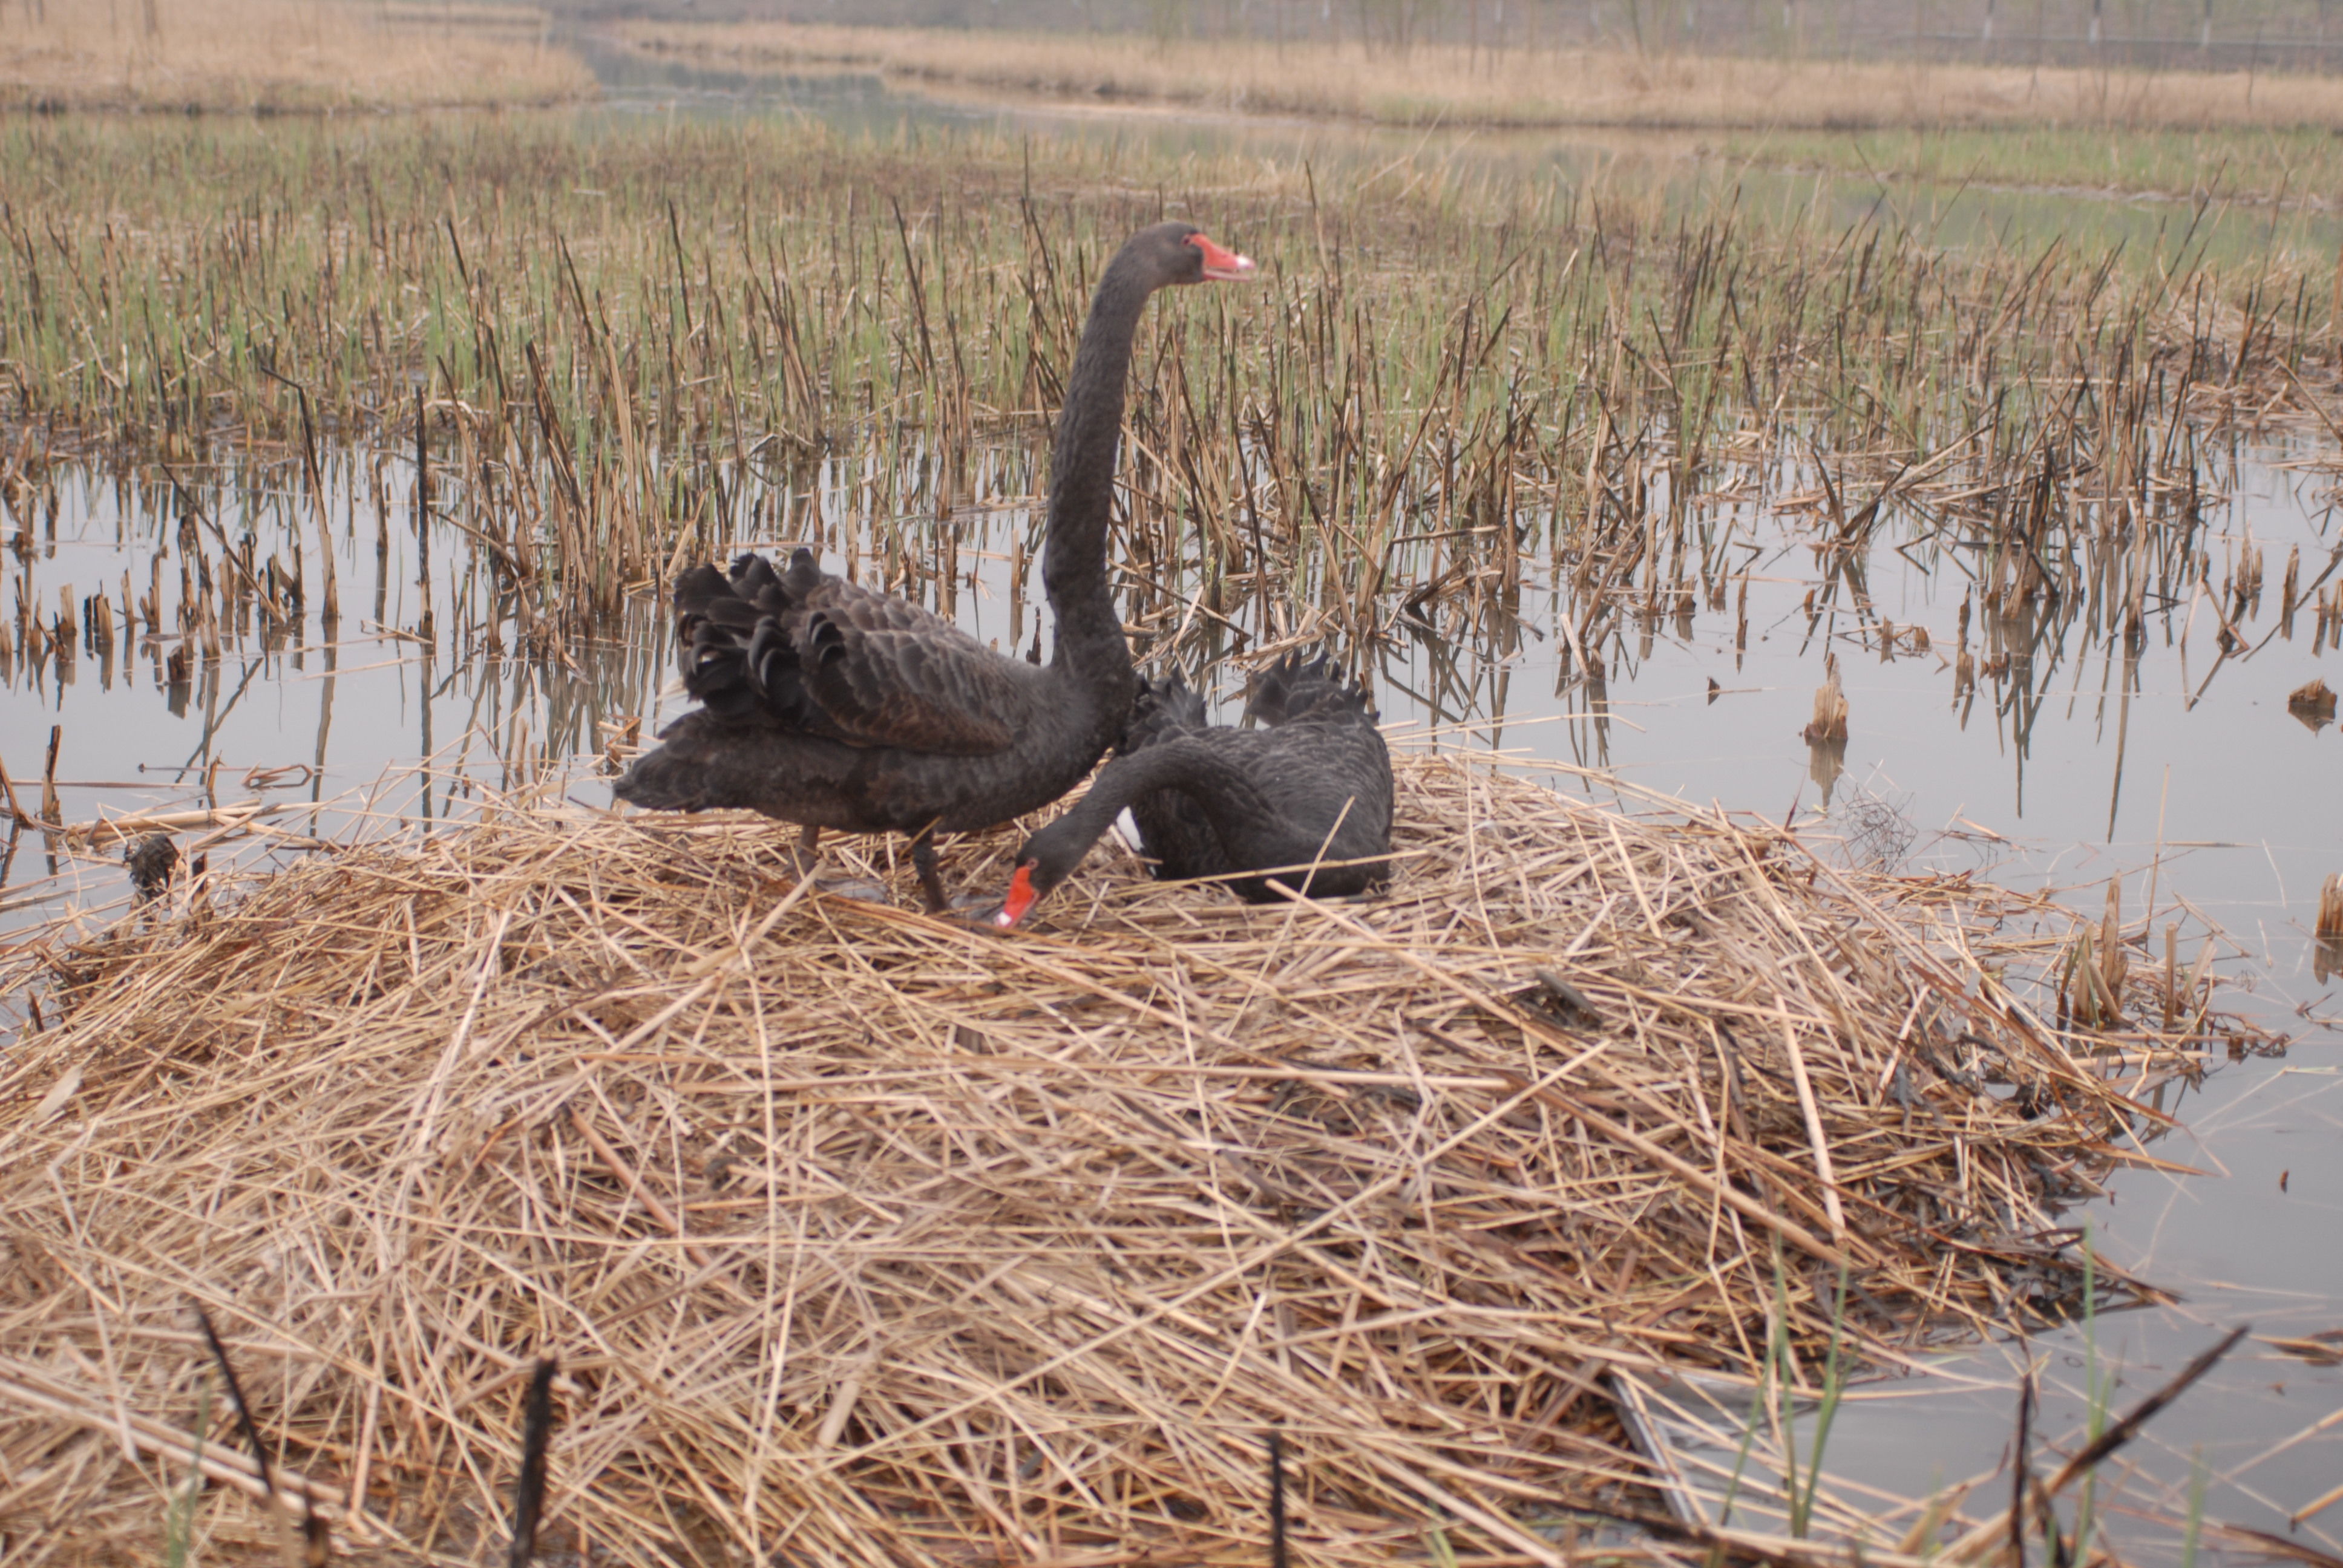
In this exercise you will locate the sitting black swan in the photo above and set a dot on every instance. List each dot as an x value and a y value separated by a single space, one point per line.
830 706
1312 784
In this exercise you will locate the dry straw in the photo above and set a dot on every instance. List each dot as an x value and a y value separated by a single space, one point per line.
864 1237
283 55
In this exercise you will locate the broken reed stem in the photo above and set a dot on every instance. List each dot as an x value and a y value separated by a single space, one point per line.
51 811
1815 1137
1829 722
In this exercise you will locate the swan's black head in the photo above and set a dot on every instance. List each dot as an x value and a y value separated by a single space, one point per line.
1048 858
1176 253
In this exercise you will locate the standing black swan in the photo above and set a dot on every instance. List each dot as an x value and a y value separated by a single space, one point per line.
1313 784
830 706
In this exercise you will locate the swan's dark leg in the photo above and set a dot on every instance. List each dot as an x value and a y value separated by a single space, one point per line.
923 860
802 853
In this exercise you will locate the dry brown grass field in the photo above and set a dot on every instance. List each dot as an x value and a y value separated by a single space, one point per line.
1453 85
297 54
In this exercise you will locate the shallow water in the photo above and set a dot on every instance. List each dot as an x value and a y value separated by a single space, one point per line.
2177 767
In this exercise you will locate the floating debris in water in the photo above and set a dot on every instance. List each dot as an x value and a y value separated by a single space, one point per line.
2313 703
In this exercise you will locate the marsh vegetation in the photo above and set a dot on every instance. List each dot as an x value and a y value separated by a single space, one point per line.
616 353
465 392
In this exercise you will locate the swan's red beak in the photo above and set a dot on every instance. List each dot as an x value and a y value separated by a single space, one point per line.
1223 265
1021 896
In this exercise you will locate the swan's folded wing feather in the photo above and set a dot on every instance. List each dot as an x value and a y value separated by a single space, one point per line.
813 654
888 673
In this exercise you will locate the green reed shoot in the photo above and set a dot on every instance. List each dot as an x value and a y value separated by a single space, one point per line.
2098 1391
2193 1529
1802 1505
179 1518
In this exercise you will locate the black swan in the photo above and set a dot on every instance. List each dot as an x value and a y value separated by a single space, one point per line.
830 706
1312 784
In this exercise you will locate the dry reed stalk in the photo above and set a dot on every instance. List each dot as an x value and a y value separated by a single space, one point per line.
104 830
1829 722
1451 83
2330 908
877 1238
241 54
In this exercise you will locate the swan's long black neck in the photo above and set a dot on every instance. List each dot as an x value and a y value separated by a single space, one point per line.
1228 795
1090 638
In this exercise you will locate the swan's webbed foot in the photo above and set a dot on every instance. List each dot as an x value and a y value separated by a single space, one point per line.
805 859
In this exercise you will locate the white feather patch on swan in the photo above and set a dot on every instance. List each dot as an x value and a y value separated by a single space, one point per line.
1126 828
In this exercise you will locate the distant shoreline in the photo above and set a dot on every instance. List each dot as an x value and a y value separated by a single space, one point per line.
1452 85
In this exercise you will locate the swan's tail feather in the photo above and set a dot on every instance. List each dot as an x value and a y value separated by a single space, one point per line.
658 780
696 589
753 576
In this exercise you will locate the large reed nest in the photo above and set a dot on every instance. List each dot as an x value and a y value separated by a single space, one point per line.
865 1237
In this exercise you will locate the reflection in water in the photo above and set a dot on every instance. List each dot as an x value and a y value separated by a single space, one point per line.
207 643
1826 760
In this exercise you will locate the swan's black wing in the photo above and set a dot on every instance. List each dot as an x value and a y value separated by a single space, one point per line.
1320 758
1290 689
816 654
1172 829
